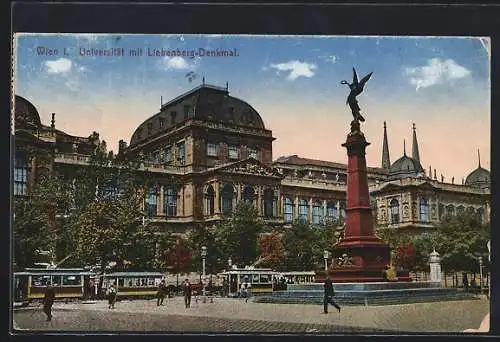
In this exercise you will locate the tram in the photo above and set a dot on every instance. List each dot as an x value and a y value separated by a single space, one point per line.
298 277
68 283
261 280
133 284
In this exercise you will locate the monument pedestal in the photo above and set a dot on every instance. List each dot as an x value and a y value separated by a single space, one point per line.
360 256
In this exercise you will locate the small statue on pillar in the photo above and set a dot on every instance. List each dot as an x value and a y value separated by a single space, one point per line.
356 89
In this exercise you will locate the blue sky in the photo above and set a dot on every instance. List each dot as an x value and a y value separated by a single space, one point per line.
441 84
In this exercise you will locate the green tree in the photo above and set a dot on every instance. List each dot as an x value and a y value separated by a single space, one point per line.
205 235
33 224
301 248
237 237
147 248
178 257
461 239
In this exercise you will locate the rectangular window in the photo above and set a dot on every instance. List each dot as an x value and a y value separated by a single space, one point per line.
233 152
252 153
173 114
168 155
181 153
151 203
71 280
20 176
150 127
170 205
162 122
186 111
211 149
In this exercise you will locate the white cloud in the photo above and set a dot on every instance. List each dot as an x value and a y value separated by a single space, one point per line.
296 69
179 63
435 72
61 65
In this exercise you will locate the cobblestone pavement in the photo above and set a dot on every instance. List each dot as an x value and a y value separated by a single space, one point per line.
233 315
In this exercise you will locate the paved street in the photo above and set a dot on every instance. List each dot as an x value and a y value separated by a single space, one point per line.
233 315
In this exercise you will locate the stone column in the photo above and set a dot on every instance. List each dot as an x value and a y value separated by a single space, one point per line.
238 192
435 268
217 199
161 200
296 209
324 210
259 200
338 209
280 206
311 207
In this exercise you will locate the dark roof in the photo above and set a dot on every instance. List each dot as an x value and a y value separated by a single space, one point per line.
405 167
206 103
299 161
479 177
26 115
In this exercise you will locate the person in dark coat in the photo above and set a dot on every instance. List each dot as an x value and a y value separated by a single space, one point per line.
329 293
111 296
186 289
160 295
48 301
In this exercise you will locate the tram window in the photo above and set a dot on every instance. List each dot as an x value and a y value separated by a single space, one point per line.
56 280
151 281
121 282
255 278
130 283
138 282
264 278
39 280
143 282
71 280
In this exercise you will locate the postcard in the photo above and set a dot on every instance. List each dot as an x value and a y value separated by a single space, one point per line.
250 184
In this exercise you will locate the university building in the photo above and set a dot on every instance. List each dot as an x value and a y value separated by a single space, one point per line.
205 151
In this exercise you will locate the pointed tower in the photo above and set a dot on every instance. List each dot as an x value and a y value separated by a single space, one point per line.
478 159
386 160
404 147
414 151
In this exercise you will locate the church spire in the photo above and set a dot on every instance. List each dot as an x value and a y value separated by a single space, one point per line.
414 151
386 160
404 147
478 159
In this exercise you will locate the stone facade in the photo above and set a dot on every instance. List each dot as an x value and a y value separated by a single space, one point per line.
205 151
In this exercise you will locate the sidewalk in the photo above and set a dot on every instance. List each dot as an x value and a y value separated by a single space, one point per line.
423 317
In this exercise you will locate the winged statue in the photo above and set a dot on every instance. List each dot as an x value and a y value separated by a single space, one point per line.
356 89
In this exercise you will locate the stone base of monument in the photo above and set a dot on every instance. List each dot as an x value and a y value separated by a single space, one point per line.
367 293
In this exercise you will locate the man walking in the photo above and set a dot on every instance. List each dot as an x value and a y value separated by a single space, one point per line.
329 293
245 289
186 289
160 295
48 301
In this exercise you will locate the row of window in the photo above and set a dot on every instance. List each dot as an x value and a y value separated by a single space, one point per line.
424 211
169 202
232 150
20 176
165 156
318 218
65 280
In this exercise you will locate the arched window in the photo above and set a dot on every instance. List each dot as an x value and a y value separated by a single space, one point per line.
450 210
480 215
460 210
303 210
20 175
268 203
209 201
248 194
331 211
317 214
424 210
170 201
151 202
394 204
288 210
471 212
227 199
441 210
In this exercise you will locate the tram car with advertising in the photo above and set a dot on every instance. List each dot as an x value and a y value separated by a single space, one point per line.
260 279
133 285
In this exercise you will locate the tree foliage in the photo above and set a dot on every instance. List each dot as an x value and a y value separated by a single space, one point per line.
178 257
271 249
405 256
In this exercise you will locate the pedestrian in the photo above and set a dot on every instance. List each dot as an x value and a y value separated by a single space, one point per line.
465 282
48 301
186 289
92 289
245 289
160 294
328 297
111 296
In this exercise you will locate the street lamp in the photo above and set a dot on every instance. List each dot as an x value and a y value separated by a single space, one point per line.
480 275
325 256
230 264
203 256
